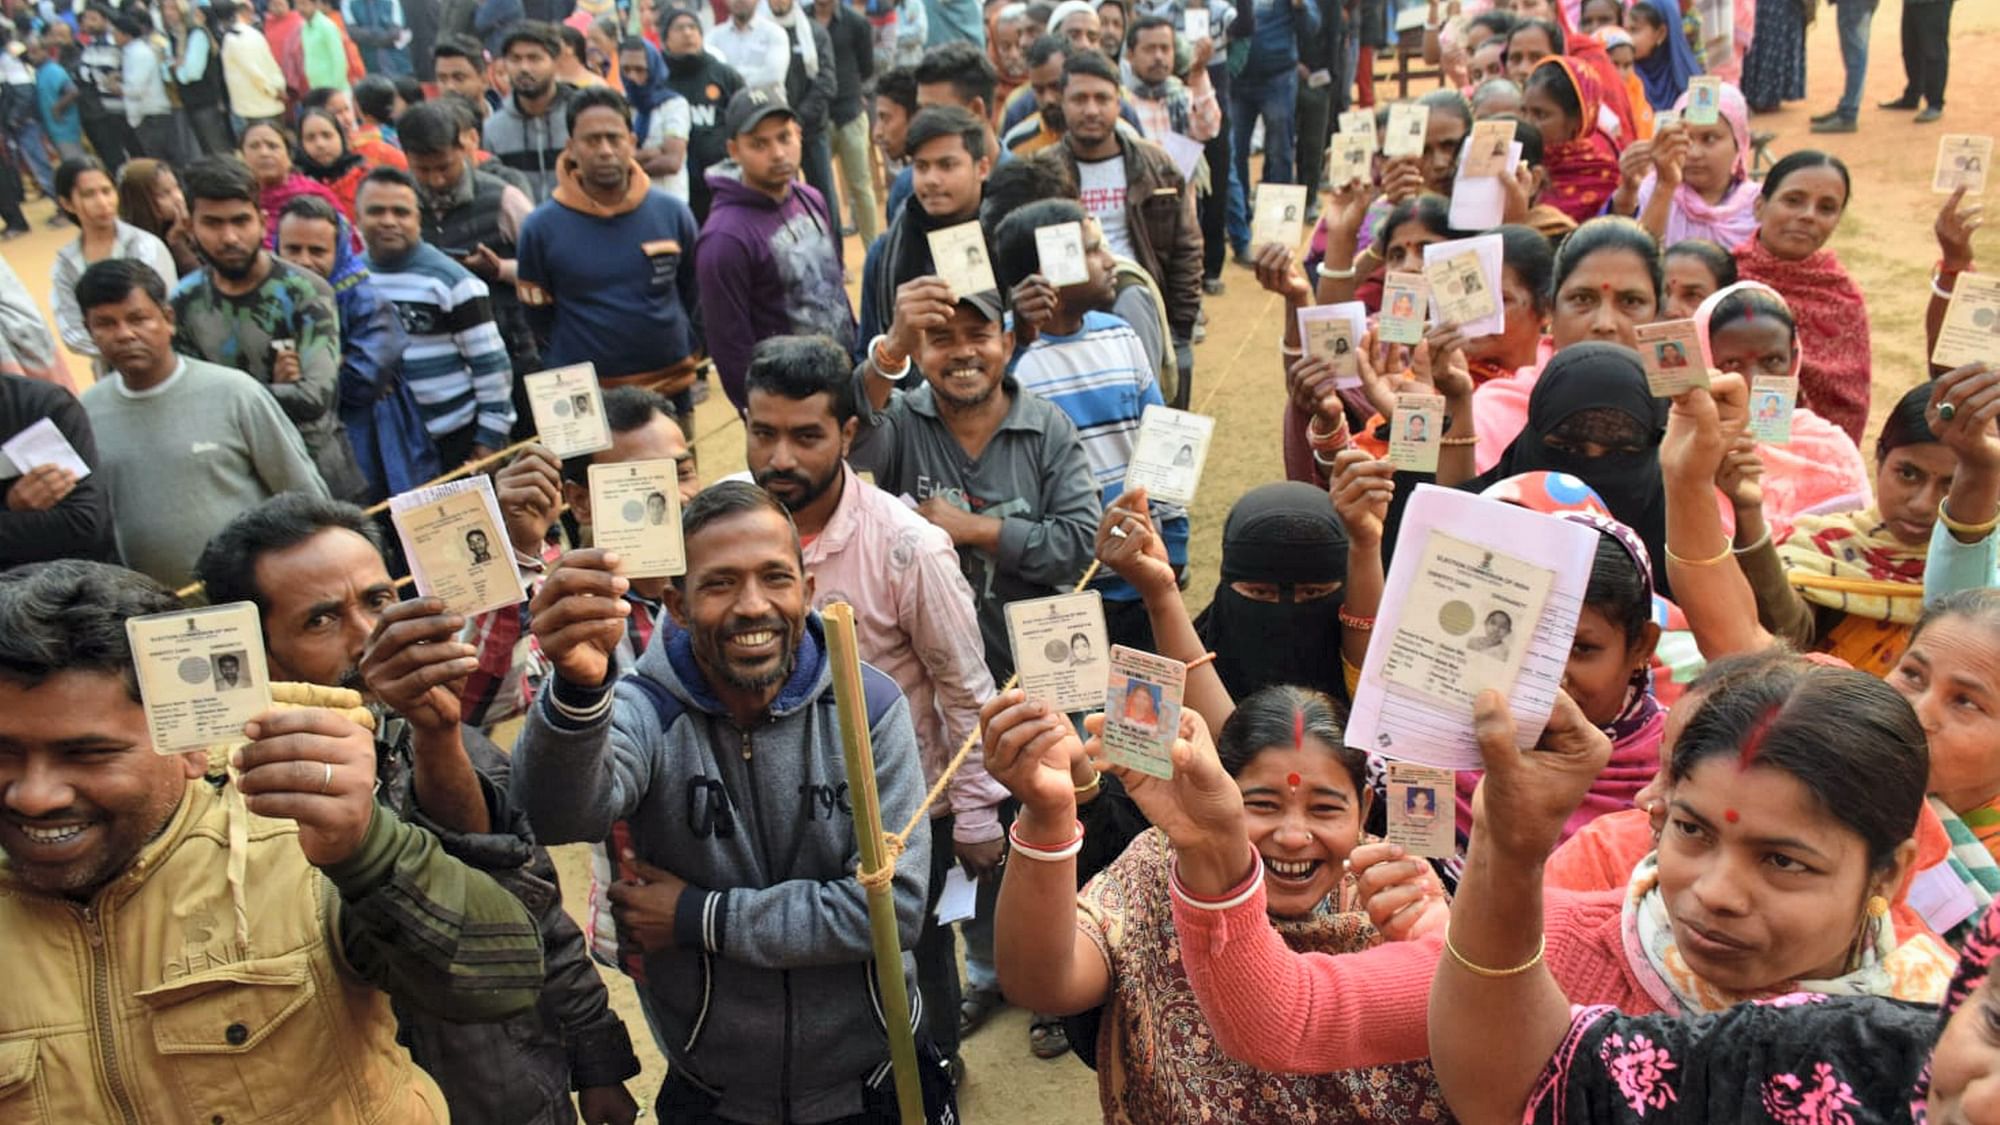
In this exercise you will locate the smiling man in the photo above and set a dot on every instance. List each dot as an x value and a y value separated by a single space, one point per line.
949 160
217 997
722 753
315 572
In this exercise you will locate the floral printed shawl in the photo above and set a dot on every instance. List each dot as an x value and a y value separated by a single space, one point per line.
1156 1058
1583 172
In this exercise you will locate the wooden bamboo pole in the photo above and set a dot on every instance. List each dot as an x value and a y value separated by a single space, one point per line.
875 861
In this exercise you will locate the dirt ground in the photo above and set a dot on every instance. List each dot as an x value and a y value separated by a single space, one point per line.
1885 240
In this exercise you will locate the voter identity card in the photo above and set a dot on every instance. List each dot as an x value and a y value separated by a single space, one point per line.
635 510
38 445
1704 100
1406 298
456 542
1671 353
1772 400
568 409
1416 432
1328 333
959 255
1422 809
1349 159
1359 123
201 674
1487 147
1167 458
1971 329
1142 711
1407 123
1281 215
1459 286
1194 24
1466 622
1061 650
1061 250
1962 162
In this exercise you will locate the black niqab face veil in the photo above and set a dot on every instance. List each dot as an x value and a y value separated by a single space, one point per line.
1285 535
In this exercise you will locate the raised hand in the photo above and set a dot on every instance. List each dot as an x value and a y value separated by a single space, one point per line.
1033 301
316 767
1362 489
1278 272
1199 808
1309 382
1533 791
1701 425
1670 149
529 491
1741 475
1634 163
414 662
578 615
1028 750
1973 393
922 303
1400 892
1954 227
1130 545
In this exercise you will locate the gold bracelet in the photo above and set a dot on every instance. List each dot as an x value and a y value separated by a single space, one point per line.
1468 439
1976 530
1541 947
1096 782
1718 560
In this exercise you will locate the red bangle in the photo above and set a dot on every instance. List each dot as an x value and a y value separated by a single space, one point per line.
1046 853
1355 621
1234 897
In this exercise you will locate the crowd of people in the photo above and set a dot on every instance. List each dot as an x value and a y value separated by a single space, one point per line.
1741 875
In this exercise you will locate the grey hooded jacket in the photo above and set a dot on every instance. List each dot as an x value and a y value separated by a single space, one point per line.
769 998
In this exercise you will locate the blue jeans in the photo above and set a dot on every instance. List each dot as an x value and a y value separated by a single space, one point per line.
1275 99
30 138
1853 17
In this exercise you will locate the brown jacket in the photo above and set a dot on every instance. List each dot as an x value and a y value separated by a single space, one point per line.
1159 213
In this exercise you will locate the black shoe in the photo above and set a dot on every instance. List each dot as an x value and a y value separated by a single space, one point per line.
1899 103
1835 125
1930 113
1821 118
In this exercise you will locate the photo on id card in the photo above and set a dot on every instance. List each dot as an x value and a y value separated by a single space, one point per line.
1772 400
1466 623
1671 353
1167 457
201 674
1142 711
1971 329
635 510
1422 809
959 256
456 541
1061 651
568 410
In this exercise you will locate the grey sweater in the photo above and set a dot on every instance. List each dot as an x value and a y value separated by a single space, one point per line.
188 456
769 996
1032 476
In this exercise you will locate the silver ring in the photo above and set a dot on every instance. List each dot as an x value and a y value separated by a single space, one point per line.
1946 411
326 781
1117 531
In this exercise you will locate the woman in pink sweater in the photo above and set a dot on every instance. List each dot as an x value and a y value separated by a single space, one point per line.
1759 775
1784 830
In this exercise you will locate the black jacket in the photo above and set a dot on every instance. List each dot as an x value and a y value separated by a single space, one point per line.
79 526
519 1071
853 60
811 98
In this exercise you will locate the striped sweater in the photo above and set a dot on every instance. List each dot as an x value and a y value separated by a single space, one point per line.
456 364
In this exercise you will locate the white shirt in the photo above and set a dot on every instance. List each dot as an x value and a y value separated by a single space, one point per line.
256 85
761 52
670 121
1103 185
145 83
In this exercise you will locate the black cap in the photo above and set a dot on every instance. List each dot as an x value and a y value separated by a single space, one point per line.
986 303
751 106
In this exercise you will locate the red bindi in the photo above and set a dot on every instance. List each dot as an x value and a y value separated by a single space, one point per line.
1293 780
1730 815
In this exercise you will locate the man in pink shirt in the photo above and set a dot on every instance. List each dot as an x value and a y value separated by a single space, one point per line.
913 610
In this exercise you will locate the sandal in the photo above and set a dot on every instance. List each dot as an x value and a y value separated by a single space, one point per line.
975 1008
1047 1037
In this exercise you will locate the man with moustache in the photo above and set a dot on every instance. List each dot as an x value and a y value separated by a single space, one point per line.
722 752
248 310
314 570
913 612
